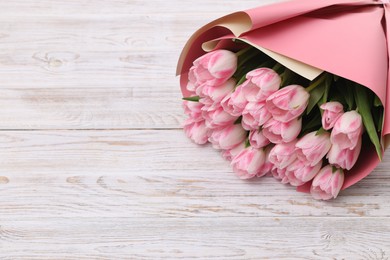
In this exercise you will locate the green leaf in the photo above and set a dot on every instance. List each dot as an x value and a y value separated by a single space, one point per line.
314 122
253 63
365 111
328 83
380 122
193 99
377 101
247 143
349 95
286 76
243 78
315 96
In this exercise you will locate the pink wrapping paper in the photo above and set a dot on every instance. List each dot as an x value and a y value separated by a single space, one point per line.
346 38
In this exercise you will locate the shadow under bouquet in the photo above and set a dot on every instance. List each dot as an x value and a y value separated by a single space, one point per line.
295 90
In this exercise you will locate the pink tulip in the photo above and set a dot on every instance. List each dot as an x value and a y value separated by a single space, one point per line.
327 184
196 131
312 147
348 130
267 166
278 132
218 118
208 104
217 93
344 158
280 174
214 68
192 85
227 137
332 112
286 176
248 162
193 110
257 139
260 84
302 171
288 103
235 103
231 153
283 154
255 115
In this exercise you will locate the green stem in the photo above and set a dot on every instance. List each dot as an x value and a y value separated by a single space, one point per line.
327 88
245 68
276 67
247 56
243 78
243 51
316 83
286 77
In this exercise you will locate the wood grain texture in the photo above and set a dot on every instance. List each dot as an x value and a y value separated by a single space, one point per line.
148 174
196 238
65 64
94 165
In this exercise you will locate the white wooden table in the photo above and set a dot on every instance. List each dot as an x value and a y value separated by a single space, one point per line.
94 164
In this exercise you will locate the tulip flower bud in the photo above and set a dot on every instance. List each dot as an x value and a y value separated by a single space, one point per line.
348 130
282 155
288 103
218 93
313 146
196 131
218 117
260 84
332 112
248 162
257 139
235 103
267 166
278 132
255 115
193 110
227 137
344 158
214 68
302 171
229 154
285 176
327 184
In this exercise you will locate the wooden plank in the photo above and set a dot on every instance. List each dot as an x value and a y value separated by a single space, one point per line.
152 174
153 7
109 68
62 73
196 238
90 108
74 52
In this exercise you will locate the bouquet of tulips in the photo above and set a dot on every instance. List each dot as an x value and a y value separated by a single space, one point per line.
266 119
275 106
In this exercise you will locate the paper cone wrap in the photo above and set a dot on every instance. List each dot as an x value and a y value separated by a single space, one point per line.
345 38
